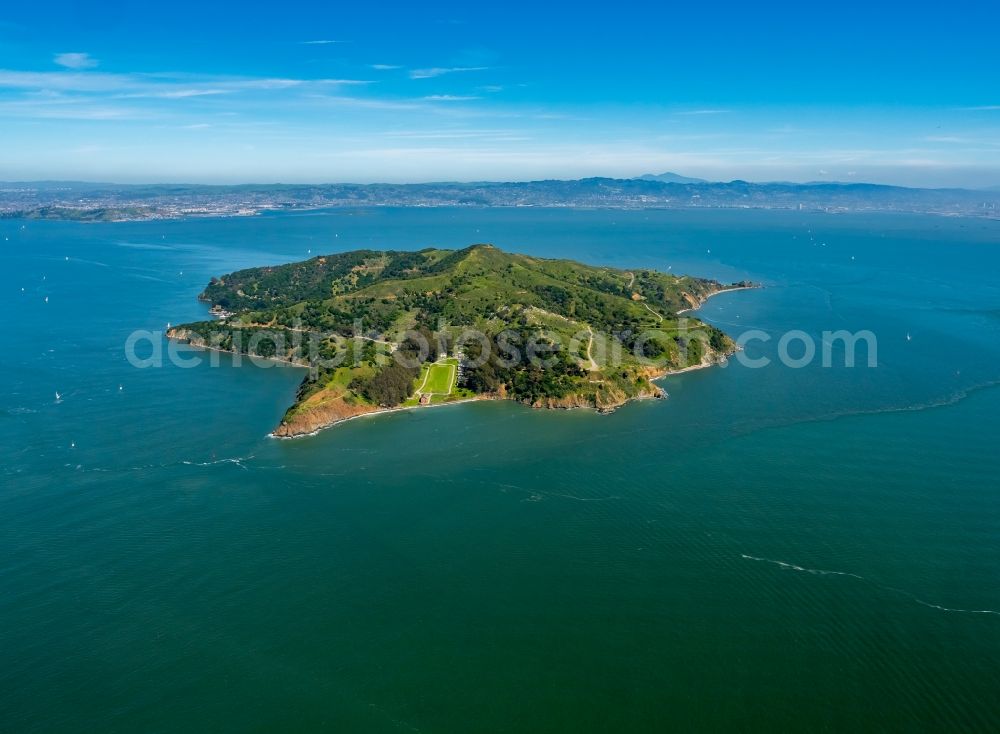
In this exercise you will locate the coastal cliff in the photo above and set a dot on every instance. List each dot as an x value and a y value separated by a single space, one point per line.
313 416
309 419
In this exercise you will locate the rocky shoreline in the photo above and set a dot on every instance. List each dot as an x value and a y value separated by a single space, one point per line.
329 408
311 421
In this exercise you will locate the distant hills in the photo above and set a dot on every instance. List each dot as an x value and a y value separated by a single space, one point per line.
118 202
670 177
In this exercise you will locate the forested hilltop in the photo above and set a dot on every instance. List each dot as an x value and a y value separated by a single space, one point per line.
385 329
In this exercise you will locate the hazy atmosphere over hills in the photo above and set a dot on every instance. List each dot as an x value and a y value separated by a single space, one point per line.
114 202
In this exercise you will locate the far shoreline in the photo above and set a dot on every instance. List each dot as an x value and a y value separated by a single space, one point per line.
26 217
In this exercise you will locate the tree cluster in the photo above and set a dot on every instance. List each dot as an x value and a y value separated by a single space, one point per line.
550 373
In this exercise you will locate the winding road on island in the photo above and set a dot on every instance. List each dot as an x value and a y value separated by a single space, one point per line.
590 342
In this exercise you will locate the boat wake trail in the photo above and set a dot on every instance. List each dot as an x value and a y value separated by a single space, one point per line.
537 495
237 460
913 597
946 401
793 567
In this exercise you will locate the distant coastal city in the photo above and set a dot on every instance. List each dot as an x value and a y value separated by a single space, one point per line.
123 202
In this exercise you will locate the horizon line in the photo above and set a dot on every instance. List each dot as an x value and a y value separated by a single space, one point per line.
705 182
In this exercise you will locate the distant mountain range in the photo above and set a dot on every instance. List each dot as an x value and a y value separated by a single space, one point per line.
671 177
116 202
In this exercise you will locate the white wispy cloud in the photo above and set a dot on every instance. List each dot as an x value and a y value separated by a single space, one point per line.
436 71
162 85
75 60
60 81
58 108
320 42
449 98
385 67
981 108
784 130
458 134
97 95
985 142
173 94
287 83
365 103
702 112
946 139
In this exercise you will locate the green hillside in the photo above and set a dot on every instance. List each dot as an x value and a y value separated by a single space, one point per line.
548 332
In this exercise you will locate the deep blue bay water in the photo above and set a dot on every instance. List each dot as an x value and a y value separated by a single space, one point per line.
812 549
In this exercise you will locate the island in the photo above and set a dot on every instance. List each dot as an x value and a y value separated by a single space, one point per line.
392 330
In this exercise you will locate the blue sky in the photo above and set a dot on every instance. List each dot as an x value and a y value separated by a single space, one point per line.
231 92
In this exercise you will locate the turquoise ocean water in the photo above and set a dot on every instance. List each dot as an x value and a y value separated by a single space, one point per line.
812 549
